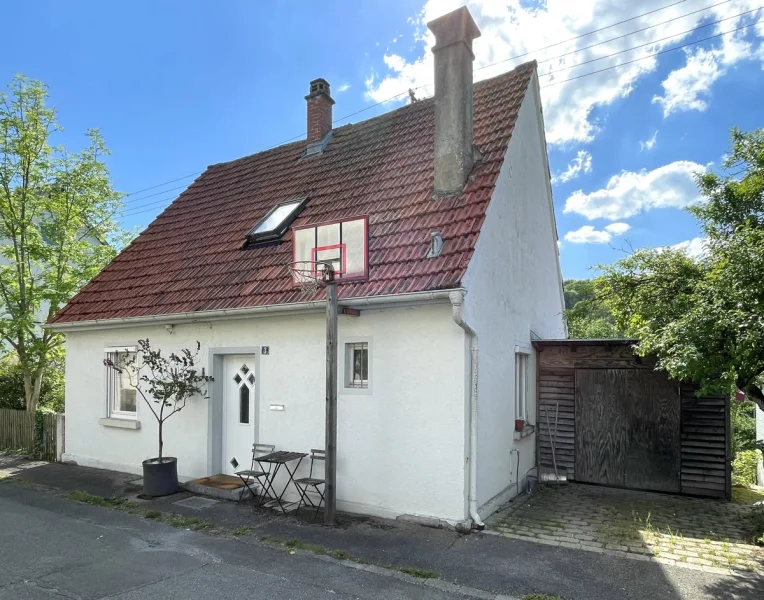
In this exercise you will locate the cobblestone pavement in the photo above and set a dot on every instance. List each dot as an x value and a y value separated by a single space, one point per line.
701 534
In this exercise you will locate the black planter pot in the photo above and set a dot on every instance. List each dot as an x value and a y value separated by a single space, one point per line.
160 478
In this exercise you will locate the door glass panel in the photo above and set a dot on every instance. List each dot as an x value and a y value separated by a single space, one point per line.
244 404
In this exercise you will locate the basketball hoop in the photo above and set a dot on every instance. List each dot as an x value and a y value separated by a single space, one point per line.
309 275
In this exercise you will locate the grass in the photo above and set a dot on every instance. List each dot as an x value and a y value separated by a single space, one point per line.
296 544
171 519
92 499
197 524
745 495
421 573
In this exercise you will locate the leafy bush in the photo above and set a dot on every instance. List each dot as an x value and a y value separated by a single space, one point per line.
744 467
743 422
12 385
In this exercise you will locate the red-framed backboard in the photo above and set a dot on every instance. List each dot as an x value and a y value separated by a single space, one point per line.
344 244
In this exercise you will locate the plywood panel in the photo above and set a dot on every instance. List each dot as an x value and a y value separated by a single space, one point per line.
601 427
628 429
653 459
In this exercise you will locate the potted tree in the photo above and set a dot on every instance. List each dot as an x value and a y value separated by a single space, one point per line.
165 383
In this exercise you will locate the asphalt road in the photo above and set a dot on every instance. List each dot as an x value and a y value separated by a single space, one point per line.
51 548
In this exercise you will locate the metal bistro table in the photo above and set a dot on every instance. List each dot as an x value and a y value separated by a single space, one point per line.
282 457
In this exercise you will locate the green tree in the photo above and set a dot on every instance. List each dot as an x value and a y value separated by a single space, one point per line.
56 222
704 318
585 313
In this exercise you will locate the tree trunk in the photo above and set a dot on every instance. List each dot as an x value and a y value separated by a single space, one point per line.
32 387
755 393
161 442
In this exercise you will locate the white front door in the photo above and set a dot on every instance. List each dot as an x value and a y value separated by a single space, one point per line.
240 416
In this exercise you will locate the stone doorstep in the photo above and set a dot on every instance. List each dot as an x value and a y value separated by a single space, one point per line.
222 487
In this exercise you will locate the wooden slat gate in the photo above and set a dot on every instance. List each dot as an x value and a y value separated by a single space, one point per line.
622 423
19 432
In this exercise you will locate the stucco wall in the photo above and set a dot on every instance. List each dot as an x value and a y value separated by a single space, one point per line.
513 286
400 448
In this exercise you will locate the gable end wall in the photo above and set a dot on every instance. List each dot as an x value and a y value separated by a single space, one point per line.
513 286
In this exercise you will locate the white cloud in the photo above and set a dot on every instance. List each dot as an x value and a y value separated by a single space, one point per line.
695 248
648 144
516 27
589 235
343 87
689 87
582 163
629 193
617 228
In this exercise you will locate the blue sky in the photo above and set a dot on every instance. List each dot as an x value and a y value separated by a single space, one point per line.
177 86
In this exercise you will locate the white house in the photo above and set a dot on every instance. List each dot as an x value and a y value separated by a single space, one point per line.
439 222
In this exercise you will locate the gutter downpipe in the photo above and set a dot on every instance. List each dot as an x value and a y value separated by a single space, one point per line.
457 302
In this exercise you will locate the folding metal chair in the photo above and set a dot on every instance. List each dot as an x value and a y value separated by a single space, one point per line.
306 482
255 472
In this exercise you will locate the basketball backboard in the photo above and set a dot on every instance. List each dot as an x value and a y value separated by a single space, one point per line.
343 244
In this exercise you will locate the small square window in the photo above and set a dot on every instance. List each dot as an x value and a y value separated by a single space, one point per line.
357 365
121 395
522 386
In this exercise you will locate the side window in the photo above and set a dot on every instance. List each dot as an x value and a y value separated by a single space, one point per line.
522 385
121 396
357 365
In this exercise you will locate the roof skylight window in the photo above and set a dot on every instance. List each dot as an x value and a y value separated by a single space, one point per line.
274 224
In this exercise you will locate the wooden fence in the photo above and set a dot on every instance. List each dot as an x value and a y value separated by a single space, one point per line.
21 431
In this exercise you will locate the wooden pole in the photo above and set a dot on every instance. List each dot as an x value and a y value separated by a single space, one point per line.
330 497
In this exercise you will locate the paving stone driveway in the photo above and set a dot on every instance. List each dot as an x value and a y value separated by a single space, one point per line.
708 535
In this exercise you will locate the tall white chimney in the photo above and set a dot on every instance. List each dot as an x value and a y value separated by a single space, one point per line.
454 158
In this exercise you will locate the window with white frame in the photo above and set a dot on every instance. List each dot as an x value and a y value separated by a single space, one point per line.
121 395
522 385
357 365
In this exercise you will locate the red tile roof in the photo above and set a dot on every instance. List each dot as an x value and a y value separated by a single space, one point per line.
191 259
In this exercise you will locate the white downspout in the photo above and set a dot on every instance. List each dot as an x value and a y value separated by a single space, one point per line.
457 301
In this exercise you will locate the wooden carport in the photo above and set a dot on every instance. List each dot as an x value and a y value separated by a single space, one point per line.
614 420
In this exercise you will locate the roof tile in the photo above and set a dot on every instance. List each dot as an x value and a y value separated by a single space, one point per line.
191 259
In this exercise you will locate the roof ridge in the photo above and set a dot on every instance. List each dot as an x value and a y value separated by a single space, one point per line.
386 115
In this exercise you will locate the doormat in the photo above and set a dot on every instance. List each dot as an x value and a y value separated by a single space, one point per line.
221 482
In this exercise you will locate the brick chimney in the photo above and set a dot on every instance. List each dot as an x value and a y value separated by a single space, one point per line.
319 110
454 157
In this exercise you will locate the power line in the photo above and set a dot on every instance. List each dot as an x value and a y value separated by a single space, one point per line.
682 33
587 33
132 211
623 64
180 187
153 187
599 70
638 31
425 85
